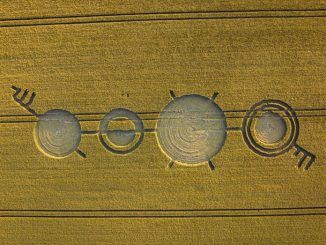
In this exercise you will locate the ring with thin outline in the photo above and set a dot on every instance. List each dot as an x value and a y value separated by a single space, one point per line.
116 114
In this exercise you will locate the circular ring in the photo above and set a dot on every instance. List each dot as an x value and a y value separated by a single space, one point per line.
121 142
274 149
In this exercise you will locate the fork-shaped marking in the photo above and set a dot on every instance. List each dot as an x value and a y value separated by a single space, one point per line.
306 154
21 102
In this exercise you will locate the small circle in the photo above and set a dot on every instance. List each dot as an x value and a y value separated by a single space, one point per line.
121 141
58 133
270 128
191 129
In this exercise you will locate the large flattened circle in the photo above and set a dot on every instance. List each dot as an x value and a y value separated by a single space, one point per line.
58 133
191 129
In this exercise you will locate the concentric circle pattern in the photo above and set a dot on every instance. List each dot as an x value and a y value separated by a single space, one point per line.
270 128
191 129
58 133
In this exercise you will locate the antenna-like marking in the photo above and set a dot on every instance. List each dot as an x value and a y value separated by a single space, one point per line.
214 96
211 165
172 94
171 163
80 153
